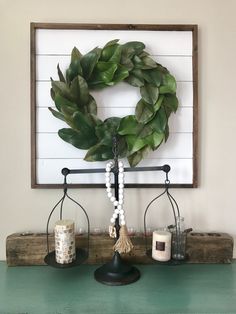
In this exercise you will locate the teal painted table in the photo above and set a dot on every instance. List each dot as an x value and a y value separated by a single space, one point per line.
161 289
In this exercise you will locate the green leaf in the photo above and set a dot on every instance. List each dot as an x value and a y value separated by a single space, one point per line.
159 122
95 121
149 93
61 88
134 81
84 124
104 135
60 74
136 157
64 104
57 114
144 130
144 63
103 73
168 85
144 111
128 125
135 78
76 54
111 42
135 46
149 63
170 103
158 103
153 76
113 124
162 69
76 138
126 61
91 106
79 91
99 152
52 93
143 54
89 61
154 140
107 130
134 143
138 63
116 55
120 74
128 51
167 132
75 68
111 53
73 71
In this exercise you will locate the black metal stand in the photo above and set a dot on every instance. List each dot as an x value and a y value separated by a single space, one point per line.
116 272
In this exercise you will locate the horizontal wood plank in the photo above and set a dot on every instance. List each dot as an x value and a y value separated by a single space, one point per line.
62 41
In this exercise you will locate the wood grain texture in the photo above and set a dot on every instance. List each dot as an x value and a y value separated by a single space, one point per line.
30 249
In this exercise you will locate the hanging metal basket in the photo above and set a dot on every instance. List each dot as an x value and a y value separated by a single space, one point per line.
81 254
178 237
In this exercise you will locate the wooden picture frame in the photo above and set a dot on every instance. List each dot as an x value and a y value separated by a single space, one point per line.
191 182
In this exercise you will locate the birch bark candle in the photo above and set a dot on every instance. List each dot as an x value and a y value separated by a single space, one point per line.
65 241
161 246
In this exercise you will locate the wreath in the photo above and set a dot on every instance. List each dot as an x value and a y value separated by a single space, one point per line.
103 67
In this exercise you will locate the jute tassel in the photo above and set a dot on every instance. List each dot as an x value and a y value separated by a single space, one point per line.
123 244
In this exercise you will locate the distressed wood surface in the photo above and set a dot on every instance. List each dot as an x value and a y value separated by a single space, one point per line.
30 249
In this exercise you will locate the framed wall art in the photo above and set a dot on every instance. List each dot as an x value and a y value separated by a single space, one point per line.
172 46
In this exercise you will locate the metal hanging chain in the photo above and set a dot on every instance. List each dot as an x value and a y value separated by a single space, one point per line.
116 180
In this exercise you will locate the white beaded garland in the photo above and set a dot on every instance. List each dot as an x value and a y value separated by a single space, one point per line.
118 205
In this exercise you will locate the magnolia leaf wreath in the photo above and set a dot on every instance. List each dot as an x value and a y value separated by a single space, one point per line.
137 134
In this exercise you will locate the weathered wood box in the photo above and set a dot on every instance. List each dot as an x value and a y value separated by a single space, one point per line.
30 249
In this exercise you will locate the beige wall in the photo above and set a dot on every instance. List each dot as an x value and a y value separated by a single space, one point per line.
212 205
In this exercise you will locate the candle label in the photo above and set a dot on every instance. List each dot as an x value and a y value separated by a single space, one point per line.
160 246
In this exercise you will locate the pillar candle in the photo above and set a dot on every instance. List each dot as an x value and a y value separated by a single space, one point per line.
65 241
161 246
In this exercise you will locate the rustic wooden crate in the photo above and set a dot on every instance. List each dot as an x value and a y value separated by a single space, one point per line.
30 249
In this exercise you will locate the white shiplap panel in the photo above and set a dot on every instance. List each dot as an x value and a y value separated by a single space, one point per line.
161 42
50 145
179 122
179 66
121 95
49 171
172 49
185 94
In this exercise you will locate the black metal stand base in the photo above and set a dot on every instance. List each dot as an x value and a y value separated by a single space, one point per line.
117 272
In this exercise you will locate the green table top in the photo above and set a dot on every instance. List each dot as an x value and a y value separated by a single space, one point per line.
161 289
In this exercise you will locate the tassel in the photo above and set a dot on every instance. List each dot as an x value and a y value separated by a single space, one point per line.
123 244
